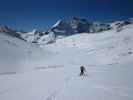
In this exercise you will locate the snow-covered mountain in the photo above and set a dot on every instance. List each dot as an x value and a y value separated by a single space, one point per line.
118 25
39 37
6 30
64 28
51 72
77 25
31 36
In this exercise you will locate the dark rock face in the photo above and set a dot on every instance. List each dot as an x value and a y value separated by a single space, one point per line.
62 28
5 29
8 31
77 25
80 25
70 27
99 27
120 24
123 23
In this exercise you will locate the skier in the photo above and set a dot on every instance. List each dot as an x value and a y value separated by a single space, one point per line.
82 70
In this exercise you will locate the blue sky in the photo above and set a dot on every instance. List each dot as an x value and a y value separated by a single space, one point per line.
29 14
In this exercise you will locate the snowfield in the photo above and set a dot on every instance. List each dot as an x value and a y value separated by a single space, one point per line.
51 72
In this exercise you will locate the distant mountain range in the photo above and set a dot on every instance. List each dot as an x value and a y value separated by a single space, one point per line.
63 28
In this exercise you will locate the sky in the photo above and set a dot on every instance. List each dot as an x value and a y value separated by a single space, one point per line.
41 14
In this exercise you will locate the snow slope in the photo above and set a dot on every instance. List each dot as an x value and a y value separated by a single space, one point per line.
16 54
53 70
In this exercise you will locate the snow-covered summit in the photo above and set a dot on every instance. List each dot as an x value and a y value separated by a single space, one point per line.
57 23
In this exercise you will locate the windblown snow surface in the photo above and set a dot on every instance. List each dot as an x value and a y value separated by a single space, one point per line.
51 72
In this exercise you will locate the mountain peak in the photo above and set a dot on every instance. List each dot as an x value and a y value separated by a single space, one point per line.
57 23
4 28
